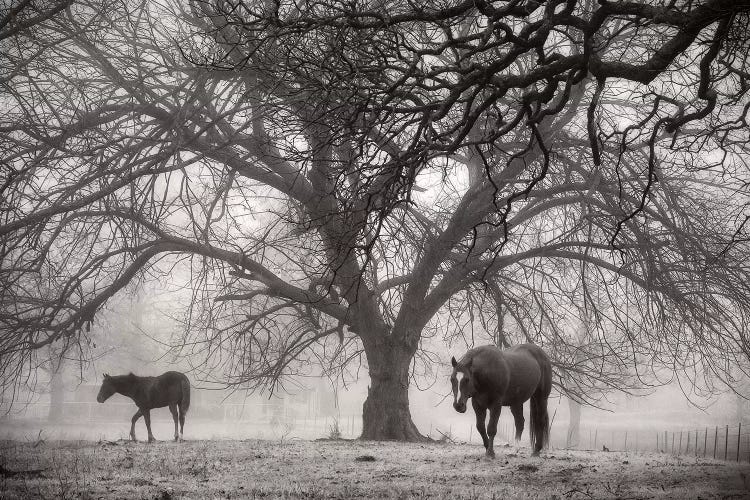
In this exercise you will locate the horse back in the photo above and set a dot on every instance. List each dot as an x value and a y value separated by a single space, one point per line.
164 390
532 363
528 370
511 376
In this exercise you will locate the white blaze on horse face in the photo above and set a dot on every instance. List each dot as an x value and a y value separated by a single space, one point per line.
459 382
456 378
462 382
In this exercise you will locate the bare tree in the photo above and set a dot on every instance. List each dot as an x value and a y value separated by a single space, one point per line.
15 18
335 179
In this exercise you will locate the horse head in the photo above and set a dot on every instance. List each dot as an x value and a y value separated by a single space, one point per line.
464 388
107 389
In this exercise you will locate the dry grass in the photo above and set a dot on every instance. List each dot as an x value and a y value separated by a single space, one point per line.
330 469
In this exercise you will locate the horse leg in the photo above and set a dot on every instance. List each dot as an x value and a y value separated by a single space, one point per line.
481 414
492 429
147 418
539 422
517 411
132 424
182 421
173 411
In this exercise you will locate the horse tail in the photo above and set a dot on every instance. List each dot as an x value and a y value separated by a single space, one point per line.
539 425
185 403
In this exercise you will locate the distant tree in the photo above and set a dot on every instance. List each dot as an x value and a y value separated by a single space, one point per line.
334 177
132 334
55 371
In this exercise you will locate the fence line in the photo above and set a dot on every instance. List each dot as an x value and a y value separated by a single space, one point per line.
727 442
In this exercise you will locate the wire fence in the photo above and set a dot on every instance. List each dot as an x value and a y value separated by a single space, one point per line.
728 442
86 420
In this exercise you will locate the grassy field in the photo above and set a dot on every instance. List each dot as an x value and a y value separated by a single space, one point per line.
349 469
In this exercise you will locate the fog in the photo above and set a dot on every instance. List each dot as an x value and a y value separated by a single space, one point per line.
316 407
134 336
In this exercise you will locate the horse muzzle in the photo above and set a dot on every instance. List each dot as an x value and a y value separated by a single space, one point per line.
460 407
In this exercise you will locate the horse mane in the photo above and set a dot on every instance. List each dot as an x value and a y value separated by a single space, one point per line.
464 363
121 378
467 359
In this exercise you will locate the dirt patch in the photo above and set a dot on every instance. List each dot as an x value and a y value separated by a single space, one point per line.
528 468
335 469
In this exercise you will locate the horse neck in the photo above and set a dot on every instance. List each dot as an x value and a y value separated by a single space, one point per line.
123 385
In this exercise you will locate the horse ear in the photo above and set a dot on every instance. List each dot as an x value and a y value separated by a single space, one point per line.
453 361
106 376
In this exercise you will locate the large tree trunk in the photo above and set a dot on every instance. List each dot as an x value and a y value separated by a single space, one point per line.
574 424
386 414
57 396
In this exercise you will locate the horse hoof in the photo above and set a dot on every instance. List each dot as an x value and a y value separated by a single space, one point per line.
489 456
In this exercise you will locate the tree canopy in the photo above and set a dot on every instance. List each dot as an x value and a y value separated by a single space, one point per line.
338 178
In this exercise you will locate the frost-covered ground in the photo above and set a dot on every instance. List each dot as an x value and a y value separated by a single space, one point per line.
350 469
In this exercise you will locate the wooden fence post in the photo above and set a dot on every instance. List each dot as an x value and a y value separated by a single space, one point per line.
705 442
672 442
726 442
679 447
696 442
716 438
739 433
626 440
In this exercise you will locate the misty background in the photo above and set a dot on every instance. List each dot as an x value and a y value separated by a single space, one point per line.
137 334
309 216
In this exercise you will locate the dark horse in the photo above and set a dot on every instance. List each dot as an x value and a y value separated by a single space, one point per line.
494 378
169 389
